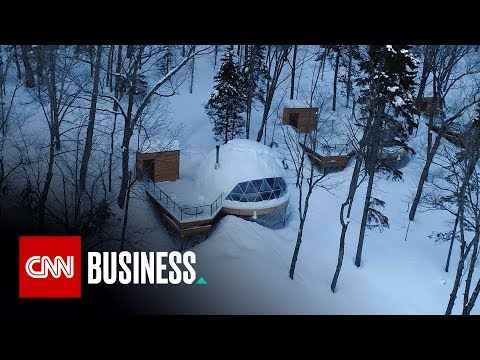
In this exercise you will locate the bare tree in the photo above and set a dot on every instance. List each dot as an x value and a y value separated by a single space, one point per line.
11 126
118 94
456 189
302 151
335 76
17 62
29 77
192 74
349 72
429 54
293 66
307 174
55 97
447 73
91 121
131 115
276 57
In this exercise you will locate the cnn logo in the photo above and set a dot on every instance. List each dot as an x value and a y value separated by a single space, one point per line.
55 268
50 267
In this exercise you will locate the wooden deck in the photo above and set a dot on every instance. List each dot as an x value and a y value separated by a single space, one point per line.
326 162
183 227
188 221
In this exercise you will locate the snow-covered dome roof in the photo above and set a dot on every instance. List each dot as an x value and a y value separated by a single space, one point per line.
240 160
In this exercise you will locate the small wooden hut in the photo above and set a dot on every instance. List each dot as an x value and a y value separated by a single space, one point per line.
159 166
302 119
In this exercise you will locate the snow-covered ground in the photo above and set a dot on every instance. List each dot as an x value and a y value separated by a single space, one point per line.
246 265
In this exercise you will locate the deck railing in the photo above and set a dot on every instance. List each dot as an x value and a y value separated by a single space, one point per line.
179 210
329 150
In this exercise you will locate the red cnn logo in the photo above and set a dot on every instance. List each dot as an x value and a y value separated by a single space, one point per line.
50 267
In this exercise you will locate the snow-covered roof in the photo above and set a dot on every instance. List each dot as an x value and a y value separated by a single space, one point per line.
240 160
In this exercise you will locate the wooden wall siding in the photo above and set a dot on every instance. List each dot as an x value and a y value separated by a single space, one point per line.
166 166
249 212
329 162
307 118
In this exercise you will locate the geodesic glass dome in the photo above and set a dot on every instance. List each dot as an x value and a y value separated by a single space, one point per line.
258 190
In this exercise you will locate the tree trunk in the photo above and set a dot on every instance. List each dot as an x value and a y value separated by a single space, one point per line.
29 78
215 55
300 233
125 214
349 73
425 73
461 196
473 299
127 134
91 122
250 88
46 186
299 76
128 131
17 63
226 125
115 109
130 51
458 277
294 65
471 269
53 97
447 265
431 116
464 250
335 78
40 62
424 176
192 73
366 206
239 56
91 56
245 54
109 81
349 201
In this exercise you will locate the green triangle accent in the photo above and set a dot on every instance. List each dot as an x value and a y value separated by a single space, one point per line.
201 281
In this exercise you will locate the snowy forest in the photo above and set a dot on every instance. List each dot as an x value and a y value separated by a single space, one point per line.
394 230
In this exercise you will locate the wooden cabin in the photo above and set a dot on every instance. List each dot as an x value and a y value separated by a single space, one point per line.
302 119
429 106
159 166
